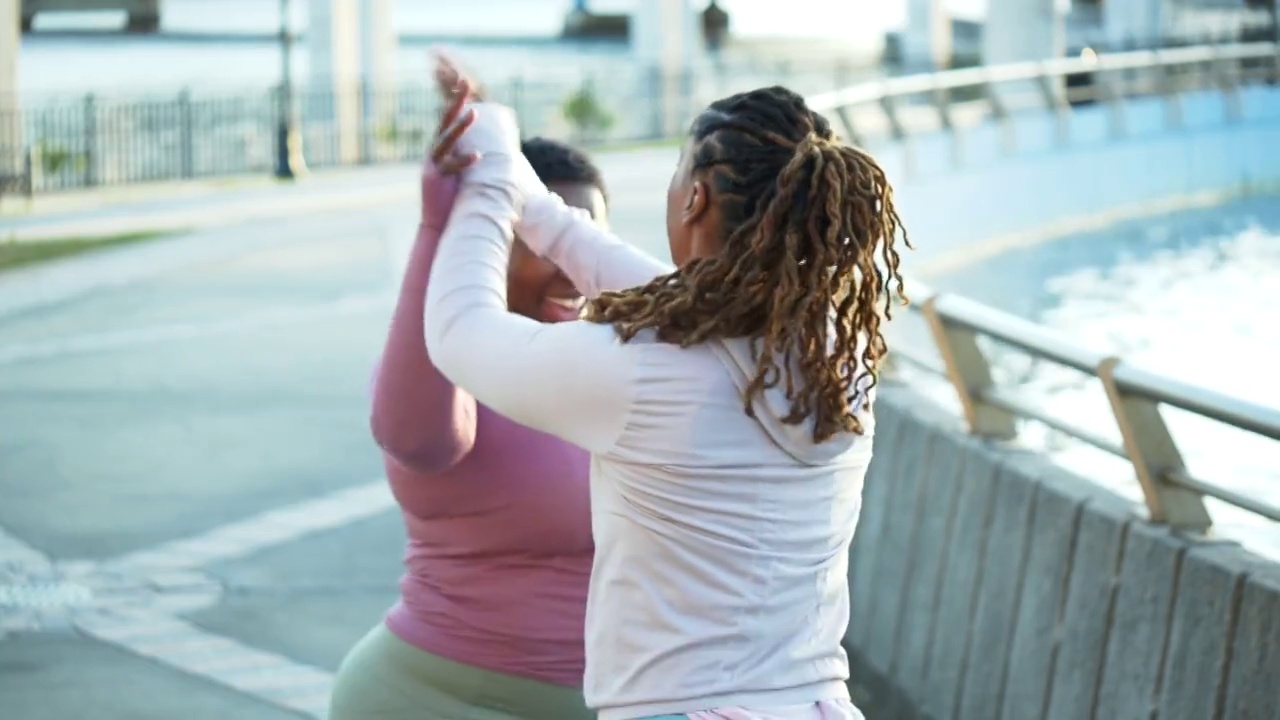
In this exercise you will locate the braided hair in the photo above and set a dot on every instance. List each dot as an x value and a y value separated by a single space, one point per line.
806 262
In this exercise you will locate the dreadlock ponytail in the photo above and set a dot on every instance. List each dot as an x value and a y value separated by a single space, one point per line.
806 262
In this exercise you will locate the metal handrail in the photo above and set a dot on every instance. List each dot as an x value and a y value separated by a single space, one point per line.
1226 409
1173 495
1104 76
1135 382
873 91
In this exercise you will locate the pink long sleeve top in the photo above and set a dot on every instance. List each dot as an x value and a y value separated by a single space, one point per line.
498 514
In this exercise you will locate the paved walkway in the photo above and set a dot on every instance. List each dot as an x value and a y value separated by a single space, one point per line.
199 204
194 522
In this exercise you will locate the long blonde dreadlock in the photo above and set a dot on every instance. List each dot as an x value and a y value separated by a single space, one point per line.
806 217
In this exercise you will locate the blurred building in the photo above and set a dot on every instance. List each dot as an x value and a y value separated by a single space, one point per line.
1143 24
11 152
1035 29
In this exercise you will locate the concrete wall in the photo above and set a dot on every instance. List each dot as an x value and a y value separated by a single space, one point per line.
990 584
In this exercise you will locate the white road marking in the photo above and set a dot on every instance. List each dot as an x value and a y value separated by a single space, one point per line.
132 601
270 677
286 524
353 304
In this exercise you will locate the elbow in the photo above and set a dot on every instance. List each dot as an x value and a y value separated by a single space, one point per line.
422 454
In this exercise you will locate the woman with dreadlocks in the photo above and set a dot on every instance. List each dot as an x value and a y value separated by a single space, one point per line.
726 402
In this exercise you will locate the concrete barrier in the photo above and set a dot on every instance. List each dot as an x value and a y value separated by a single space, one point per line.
990 584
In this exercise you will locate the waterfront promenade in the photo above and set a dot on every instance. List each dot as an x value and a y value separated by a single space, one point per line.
190 443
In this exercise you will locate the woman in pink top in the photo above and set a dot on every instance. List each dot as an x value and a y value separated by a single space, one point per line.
490 621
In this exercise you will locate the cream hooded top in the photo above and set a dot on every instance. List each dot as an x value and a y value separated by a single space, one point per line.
722 541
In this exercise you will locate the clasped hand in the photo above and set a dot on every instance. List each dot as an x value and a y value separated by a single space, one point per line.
446 160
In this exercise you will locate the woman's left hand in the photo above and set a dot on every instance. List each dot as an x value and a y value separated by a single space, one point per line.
454 122
444 162
451 80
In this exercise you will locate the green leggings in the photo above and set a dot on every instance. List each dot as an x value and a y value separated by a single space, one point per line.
385 678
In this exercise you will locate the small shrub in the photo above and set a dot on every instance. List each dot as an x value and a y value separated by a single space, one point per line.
586 115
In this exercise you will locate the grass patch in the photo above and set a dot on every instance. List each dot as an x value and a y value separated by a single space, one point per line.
15 253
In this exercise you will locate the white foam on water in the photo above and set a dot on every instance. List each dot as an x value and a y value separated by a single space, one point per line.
1200 313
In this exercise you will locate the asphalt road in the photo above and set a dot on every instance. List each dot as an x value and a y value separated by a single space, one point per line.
193 521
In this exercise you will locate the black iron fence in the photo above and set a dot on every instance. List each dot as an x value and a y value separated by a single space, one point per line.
96 140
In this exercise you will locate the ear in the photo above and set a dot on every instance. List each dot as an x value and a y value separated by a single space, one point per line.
696 202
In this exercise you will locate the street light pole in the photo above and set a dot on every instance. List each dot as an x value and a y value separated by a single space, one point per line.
289 162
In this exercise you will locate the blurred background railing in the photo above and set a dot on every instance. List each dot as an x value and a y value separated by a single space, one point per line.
902 106
88 142
968 338
964 342
91 141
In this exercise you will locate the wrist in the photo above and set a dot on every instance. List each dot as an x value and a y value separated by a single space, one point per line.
428 226
438 192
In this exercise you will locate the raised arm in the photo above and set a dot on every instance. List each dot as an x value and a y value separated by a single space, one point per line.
573 379
594 259
420 419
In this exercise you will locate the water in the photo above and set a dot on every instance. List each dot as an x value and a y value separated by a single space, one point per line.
1187 295
519 33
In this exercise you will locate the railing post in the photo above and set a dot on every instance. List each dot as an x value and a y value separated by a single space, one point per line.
1113 98
186 142
999 111
90 140
688 100
1153 453
366 122
1172 97
850 130
942 103
658 100
970 374
1056 104
29 174
1224 72
898 130
890 109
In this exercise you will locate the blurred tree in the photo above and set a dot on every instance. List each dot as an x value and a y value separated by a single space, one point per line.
589 119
